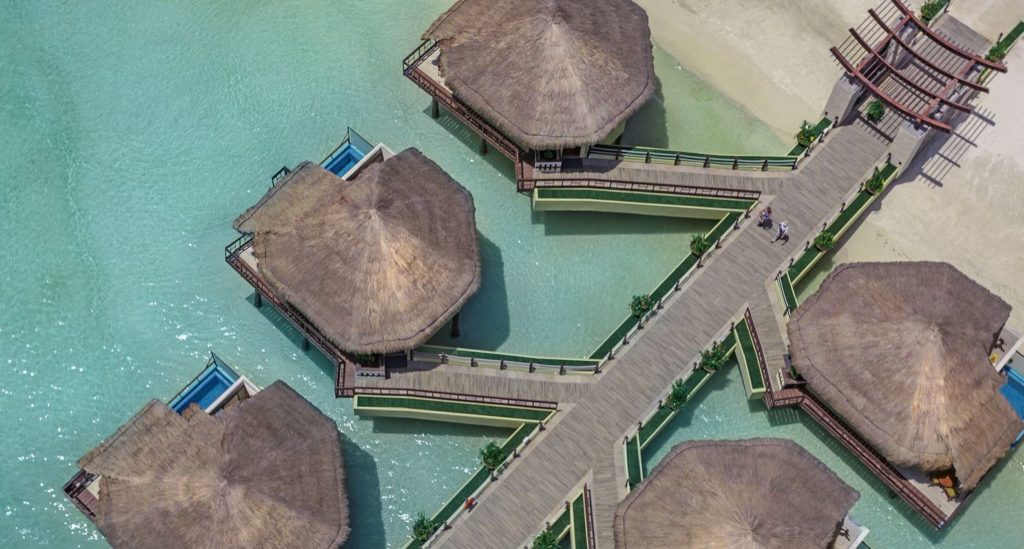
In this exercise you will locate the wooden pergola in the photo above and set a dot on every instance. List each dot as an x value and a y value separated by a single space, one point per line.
912 68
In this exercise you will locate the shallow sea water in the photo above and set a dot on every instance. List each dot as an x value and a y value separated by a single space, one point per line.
133 134
994 517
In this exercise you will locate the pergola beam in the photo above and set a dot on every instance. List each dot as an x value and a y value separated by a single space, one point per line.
924 60
853 72
906 80
940 40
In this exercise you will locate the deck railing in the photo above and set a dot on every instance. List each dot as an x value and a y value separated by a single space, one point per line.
214 359
650 155
232 253
589 508
353 137
461 397
568 182
461 111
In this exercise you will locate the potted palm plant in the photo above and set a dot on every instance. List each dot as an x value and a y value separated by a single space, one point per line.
491 456
712 359
423 527
546 540
678 396
875 184
876 110
805 136
641 305
825 241
699 245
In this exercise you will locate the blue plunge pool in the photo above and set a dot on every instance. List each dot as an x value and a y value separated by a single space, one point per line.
1013 390
211 383
346 155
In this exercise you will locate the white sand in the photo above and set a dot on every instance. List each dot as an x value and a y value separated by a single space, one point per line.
771 56
964 206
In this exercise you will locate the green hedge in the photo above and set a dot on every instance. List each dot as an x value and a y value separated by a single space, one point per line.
746 343
633 465
788 292
646 198
654 423
454 407
579 523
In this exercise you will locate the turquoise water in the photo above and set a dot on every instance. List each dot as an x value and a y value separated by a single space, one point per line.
133 134
994 517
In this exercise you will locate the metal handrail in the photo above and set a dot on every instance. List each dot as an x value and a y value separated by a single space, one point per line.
462 397
618 184
705 160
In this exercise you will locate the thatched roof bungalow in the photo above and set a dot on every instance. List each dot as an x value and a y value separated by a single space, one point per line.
377 263
901 352
267 472
727 494
549 74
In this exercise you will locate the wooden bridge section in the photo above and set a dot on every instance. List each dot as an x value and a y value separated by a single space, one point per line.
921 72
590 434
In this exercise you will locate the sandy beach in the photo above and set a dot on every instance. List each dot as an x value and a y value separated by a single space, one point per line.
772 57
964 204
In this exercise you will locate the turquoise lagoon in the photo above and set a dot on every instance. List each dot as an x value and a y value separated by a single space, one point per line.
133 133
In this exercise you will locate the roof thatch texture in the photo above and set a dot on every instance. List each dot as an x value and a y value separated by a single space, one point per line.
267 472
378 263
729 494
900 352
548 73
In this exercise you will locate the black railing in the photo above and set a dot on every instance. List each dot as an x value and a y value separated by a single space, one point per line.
419 54
280 174
617 184
238 245
679 158
462 397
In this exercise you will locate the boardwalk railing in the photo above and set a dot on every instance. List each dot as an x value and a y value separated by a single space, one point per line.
461 111
461 397
568 182
651 155
344 368
503 361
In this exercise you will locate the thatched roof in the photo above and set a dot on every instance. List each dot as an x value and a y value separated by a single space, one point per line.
378 263
900 351
267 472
728 494
548 73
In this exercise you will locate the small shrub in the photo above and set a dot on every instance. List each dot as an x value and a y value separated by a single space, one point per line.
825 241
712 359
546 540
806 134
491 456
678 396
641 305
699 245
998 51
423 527
876 110
931 9
876 183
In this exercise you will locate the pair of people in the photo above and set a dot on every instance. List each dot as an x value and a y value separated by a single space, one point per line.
766 222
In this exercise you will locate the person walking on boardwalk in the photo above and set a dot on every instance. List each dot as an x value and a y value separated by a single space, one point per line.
783 232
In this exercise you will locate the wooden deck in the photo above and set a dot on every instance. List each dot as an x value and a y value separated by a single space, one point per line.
590 434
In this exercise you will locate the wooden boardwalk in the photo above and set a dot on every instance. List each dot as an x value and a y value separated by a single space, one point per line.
588 436
482 381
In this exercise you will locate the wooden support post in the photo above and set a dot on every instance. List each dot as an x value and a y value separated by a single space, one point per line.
455 325
561 370
257 299
735 163
305 343
532 368
482 148
435 109
764 165
647 158
677 159
707 161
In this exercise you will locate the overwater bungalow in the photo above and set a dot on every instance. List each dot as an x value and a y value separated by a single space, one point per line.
266 471
540 80
368 267
738 493
901 353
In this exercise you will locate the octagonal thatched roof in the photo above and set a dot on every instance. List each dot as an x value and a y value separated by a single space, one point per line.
266 472
729 494
900 351
549 74
378 263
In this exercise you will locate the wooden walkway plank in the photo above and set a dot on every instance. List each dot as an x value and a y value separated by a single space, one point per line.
584 438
